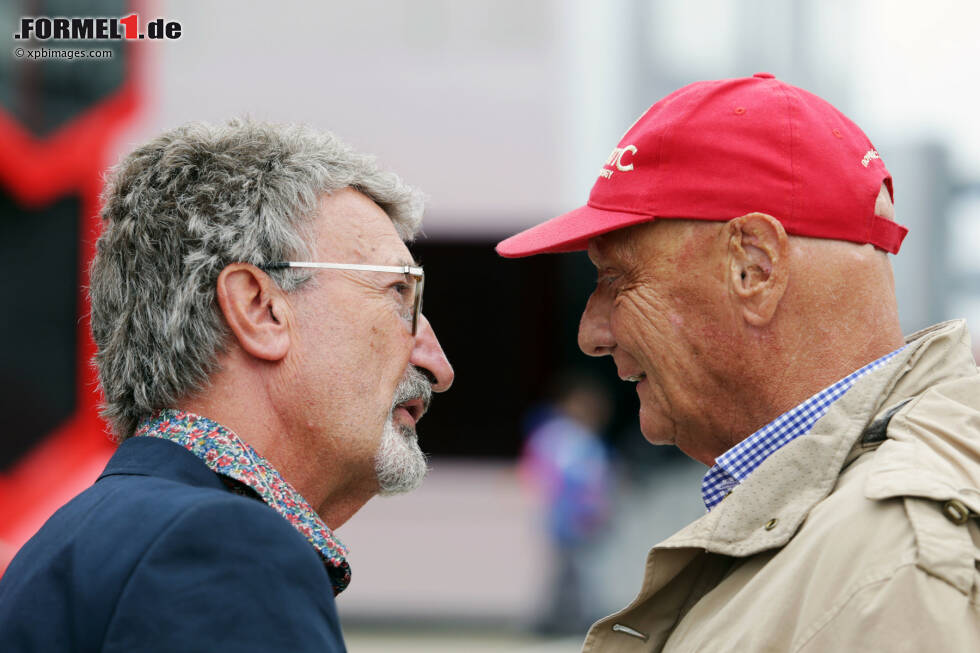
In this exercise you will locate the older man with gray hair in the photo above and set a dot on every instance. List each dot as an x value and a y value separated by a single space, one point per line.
265 361
740 231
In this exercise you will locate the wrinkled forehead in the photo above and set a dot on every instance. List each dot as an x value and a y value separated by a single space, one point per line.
354 229
372 244
660 239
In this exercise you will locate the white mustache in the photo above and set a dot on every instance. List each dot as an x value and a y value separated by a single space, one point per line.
414 385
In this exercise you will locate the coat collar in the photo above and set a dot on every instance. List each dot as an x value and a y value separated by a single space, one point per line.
162 459
766 510
189 440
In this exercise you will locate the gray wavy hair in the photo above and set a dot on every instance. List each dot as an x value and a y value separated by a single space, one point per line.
179 209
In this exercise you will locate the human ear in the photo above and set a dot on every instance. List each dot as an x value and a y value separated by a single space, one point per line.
758 270
255 310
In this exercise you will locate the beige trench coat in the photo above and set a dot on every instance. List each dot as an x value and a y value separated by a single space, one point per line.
839 541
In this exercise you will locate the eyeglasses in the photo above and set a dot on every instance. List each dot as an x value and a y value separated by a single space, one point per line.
414 277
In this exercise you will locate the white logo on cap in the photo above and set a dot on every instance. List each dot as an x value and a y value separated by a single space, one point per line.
872 154
615 160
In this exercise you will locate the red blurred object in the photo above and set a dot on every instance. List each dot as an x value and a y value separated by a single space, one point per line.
36 172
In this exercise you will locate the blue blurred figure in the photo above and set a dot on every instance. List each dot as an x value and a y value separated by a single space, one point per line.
567 462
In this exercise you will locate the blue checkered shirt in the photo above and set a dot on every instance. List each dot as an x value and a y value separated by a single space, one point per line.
735 465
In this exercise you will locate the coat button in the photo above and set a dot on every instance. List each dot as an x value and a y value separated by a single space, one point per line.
956 511
771 524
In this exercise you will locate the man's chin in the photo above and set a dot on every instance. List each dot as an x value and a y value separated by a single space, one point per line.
400 464
656 429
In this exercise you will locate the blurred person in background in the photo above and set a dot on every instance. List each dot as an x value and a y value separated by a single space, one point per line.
566 461
264 363
740 231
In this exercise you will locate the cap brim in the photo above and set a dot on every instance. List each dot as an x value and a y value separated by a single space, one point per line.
567 233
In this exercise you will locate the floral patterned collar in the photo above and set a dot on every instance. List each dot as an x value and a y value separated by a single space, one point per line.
228 455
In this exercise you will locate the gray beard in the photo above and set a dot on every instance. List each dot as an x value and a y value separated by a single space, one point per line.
400 464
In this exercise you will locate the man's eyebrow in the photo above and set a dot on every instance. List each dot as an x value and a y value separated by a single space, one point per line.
593 250
598 251
404 260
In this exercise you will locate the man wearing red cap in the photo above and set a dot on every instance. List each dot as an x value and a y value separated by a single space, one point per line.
740 230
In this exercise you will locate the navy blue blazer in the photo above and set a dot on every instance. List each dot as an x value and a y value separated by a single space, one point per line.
158 555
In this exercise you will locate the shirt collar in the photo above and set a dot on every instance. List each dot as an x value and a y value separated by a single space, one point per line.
227 454
735 465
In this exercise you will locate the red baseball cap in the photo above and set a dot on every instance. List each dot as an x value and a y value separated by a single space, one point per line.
717 150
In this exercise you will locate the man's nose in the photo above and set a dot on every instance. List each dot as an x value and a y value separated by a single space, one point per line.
429 356
595 338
